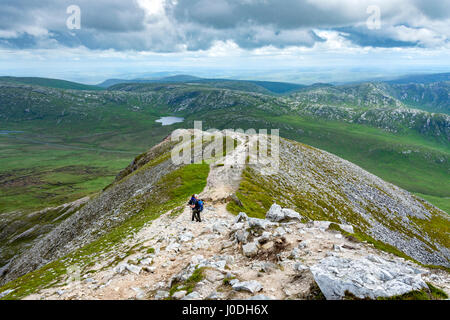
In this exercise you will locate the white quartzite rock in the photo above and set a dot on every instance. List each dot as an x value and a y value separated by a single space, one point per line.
220 227
237 226
300 267
277 214
321 224
5 293
259 223
241 236
291 214
192 296
146 261
185 237
179 294
250 286
174 246
279 231
250 249
134 269
127 267
161 294
370 277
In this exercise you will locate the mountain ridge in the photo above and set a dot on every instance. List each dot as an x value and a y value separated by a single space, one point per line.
336 190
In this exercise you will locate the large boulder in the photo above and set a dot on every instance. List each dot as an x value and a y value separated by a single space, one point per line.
290 214
369 277
277 214
259 223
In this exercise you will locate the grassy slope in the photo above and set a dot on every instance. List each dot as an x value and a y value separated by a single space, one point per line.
175 188
41 168
374 150
34 175
257 193
377 151
442 203
381 153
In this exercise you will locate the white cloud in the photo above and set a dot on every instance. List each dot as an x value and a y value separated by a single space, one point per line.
138 34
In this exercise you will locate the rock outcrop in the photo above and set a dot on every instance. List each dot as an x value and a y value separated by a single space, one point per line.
368 277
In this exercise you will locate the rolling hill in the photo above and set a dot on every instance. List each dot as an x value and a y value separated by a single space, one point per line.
50 83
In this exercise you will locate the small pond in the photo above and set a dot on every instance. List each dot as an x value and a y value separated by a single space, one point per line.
167 121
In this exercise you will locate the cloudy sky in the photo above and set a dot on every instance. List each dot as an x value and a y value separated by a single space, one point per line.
292 40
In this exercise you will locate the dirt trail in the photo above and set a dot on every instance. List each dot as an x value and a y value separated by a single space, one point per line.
224 178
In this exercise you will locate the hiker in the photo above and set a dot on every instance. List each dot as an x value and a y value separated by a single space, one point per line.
197 207
191 203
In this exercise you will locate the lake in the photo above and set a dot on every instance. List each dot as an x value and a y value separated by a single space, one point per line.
167 121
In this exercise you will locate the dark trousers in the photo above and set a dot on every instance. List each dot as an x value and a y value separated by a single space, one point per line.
196 215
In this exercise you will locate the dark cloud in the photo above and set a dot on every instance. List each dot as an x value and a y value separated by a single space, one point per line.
100 15
373 38
434 9
197 24
287 14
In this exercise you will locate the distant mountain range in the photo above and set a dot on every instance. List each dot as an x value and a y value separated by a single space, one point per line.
428 92
267 87
421 78
50 83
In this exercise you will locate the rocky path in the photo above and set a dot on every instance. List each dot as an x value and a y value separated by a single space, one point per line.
223 246
243 258
225 174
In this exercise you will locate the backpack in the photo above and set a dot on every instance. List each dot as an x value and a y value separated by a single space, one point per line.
200 205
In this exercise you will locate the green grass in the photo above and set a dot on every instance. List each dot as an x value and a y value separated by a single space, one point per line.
34 177
171 191
441 203
424 171
257 193
380 153
190 283
436 292
40 169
